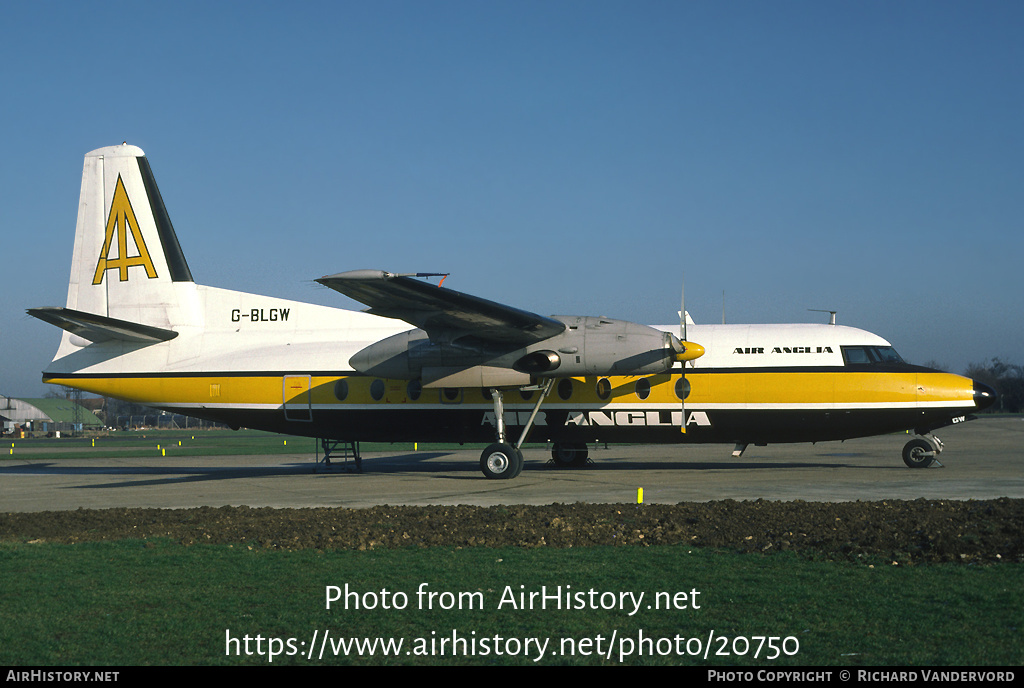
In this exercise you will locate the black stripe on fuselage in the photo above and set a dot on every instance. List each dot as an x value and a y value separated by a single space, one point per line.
407 423
559 421
891 368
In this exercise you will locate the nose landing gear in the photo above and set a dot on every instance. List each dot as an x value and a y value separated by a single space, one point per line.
922 451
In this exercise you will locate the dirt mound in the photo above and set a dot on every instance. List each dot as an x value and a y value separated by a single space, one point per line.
902 531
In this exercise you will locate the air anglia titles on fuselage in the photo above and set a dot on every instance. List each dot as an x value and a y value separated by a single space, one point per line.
661 418
636 418
784 350
260 314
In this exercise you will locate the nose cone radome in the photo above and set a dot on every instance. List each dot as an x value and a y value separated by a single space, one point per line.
984 396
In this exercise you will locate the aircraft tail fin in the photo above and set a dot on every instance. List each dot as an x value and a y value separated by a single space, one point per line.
127 263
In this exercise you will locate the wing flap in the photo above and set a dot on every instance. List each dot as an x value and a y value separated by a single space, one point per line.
99 328
444 314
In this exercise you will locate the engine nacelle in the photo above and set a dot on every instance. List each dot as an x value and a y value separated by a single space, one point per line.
603 346
587 346
538 362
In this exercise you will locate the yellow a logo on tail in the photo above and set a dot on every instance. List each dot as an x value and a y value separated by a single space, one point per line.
120 221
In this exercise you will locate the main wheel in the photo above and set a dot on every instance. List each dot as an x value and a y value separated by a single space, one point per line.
521 462
501 461
569 455
918 453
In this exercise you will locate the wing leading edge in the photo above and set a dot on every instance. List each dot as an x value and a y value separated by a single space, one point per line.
444 314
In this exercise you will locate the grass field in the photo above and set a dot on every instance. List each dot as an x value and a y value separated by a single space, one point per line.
137 602
144 443
160 602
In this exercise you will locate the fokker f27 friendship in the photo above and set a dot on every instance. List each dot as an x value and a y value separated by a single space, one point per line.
428 363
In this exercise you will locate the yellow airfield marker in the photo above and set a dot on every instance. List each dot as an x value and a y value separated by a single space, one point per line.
639 495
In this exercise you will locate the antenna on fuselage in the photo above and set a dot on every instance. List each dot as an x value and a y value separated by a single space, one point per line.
832 314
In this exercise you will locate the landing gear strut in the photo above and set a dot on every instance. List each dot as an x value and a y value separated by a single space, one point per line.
922 451
501 460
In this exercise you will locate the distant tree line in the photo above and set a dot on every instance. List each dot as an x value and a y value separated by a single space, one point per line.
1006 379
126 415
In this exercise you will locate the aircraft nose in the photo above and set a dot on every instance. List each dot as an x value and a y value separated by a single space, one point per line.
984 396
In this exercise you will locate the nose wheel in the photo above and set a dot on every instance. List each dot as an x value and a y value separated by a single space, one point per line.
922 451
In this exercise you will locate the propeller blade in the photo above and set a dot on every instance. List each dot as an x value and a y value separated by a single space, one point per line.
682 313
682 361
685 351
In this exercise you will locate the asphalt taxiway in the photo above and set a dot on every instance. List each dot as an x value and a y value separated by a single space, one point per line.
983 459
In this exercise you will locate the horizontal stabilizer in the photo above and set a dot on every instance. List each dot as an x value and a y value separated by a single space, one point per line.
99 328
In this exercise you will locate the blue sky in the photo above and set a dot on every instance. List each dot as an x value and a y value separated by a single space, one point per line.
562 157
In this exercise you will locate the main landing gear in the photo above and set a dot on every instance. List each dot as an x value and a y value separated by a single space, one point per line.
570 455
922 451
501 460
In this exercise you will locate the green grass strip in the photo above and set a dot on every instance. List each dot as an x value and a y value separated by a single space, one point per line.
161 603
149 443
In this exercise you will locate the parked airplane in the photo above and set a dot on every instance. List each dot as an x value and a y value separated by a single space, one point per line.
428 363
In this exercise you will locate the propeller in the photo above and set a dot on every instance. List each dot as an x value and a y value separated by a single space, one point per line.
685 351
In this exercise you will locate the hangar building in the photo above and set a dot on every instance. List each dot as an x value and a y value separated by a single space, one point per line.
46 415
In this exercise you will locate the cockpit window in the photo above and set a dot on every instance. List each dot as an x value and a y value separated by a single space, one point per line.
871 355
886 354
855 355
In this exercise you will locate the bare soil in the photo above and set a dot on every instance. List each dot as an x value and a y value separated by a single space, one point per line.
905 532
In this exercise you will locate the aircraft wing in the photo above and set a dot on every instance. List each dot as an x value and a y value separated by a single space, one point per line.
444 314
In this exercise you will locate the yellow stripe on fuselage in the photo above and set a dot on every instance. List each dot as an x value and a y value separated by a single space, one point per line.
750 389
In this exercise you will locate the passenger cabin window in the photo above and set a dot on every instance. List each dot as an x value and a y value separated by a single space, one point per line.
565 389
871 355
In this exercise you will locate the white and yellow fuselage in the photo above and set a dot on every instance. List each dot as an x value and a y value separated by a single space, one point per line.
137 327
283 368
